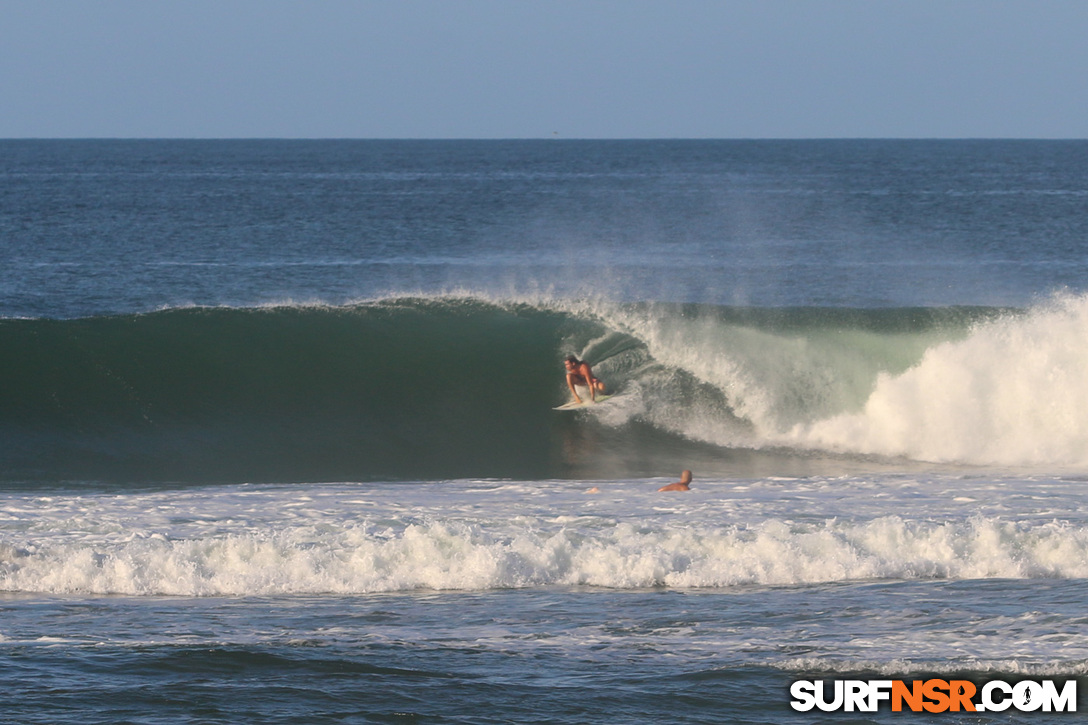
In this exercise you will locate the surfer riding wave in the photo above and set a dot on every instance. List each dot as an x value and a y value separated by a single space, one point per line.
579 373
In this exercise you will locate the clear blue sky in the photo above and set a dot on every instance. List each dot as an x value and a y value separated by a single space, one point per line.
540 68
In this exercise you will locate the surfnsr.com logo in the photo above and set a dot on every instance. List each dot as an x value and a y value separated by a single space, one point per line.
934 695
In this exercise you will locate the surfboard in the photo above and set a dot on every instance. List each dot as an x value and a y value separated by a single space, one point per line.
586 402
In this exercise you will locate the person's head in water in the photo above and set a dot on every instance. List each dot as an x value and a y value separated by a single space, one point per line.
682 485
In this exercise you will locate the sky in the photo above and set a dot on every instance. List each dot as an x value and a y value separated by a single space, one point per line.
544 69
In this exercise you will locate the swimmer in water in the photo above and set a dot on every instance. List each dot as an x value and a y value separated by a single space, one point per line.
681 485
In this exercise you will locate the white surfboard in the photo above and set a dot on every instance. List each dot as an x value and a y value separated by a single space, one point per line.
586 402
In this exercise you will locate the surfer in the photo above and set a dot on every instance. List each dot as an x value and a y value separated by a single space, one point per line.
681 485
579 373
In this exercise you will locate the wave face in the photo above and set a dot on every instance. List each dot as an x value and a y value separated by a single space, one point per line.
454 387
289 393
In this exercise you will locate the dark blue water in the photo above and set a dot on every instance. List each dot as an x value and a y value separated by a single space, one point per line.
552 656
276 438
94 227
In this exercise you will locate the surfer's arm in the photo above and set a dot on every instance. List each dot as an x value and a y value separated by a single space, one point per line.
570 384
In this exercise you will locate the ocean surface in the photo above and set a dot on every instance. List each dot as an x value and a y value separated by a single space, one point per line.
277 441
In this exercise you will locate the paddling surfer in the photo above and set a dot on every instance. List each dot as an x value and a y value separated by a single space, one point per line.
681 485
579 373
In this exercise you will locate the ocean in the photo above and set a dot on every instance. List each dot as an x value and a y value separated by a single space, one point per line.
277 438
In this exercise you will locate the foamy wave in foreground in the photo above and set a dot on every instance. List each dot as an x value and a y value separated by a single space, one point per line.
463 556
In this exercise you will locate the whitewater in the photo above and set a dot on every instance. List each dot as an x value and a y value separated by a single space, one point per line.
984 387
260 540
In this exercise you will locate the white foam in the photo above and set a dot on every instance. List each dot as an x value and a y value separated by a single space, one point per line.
442 555
757 384
472 536
1012 391
1015 392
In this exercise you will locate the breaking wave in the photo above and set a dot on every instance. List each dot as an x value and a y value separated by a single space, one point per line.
460 386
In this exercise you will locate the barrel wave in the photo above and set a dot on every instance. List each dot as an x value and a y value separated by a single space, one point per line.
462 386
